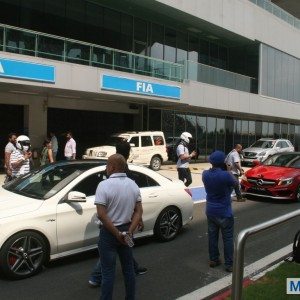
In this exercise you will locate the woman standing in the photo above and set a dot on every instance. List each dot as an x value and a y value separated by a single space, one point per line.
46 154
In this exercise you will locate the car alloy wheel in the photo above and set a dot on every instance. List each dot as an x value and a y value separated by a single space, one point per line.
155 163
168 224
23 255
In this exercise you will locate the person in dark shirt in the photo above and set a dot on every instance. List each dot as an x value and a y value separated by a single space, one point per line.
95 278
219 184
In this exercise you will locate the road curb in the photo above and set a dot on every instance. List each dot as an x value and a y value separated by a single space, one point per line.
223 285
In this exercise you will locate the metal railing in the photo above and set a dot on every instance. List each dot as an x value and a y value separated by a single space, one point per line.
239 247
29 42
278 12
220 77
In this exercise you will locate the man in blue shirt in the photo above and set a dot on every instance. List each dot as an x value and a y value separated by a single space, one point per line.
219 185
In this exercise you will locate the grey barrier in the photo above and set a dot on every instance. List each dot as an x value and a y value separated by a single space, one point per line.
239 247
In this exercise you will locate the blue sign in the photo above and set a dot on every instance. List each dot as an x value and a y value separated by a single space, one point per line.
26 70
128 85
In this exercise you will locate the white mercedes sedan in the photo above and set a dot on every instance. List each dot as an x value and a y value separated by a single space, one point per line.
50 213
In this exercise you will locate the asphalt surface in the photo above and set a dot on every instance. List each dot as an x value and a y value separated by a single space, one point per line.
174 268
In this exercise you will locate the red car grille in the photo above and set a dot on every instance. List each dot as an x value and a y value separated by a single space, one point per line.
261 182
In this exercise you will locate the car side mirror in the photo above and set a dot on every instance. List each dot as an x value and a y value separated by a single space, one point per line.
75 196
256 163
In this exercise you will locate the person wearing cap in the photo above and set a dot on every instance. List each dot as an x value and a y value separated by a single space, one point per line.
219 184
184 157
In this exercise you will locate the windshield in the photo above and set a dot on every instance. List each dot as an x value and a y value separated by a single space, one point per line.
263 144
290 160
114 140
46 182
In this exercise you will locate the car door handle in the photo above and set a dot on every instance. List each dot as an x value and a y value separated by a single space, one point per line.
153 195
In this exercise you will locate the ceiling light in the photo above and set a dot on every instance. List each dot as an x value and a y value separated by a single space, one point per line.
212 37
193 29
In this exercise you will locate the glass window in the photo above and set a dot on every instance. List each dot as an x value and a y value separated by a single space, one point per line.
291 135
75 22
168 123
126 33
112 29
277 131
204 52
214 55
50 48
1 37
179 124
89 184
140 30
182 47
220 134
252 135
284 131
158 140
193 48
211 135
237 131
271 72
170 45
229 125
143 180
54 17
297 138
154 119
157 41
265 129
94 23
245 132
10 12
146 141
77 53
258 129
271 129
135 141
223 57
20 42
201 137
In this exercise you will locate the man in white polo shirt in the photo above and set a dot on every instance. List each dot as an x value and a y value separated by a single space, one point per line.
119 209
70 147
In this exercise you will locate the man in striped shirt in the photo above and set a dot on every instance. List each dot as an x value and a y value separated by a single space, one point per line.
19 159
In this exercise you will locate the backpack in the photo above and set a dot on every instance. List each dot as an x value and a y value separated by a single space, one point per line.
296 248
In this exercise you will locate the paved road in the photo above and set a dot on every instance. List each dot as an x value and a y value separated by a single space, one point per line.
175 268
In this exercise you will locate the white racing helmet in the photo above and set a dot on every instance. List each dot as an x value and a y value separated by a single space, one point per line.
186 136
23 143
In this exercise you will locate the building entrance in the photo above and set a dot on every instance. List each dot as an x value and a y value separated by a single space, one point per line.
12 120
89 128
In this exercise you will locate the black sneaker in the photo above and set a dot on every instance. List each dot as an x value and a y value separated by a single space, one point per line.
141 271
214 264
228 269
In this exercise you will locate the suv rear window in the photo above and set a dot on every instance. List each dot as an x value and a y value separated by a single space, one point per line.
158 140
146 141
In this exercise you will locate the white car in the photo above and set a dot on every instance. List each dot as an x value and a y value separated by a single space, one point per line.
264 148
148 148
50 213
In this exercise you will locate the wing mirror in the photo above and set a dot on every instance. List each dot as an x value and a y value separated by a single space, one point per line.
76 197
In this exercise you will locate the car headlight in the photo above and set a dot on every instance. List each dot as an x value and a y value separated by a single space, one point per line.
244 178
261 153
285 181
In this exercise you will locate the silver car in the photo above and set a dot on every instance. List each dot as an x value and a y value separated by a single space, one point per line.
263 148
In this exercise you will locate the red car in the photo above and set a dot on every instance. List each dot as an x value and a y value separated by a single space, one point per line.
278 177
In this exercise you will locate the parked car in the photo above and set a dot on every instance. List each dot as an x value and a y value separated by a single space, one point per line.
278 177
265 147
50 213
148 148
172 143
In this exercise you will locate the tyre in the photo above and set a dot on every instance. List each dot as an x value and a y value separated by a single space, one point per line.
168 224
155 163
23 255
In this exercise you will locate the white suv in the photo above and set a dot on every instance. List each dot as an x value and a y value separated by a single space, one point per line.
147 148
263 148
